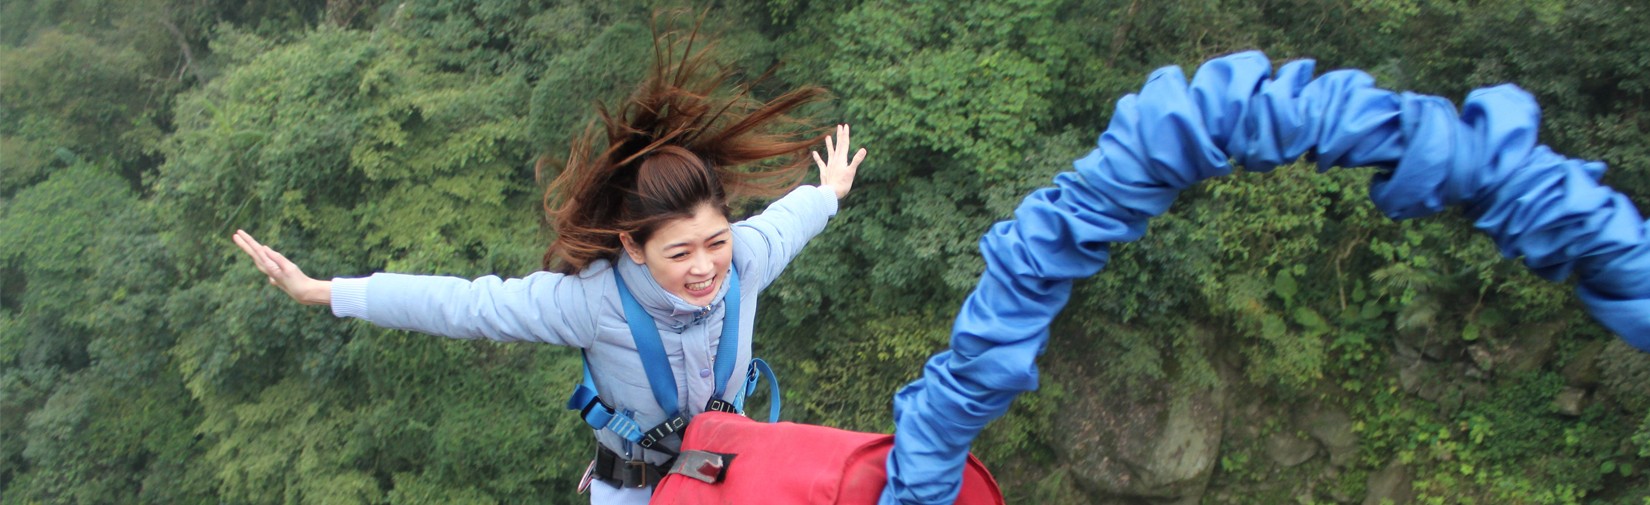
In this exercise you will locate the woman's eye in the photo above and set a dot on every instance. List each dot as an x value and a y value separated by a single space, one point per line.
718 244
678 256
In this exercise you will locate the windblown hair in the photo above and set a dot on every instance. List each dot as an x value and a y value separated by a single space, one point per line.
681 140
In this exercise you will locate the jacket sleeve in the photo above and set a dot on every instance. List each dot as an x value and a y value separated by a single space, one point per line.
766 242
542 307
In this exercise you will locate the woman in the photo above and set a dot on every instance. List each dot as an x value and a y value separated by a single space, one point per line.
650 212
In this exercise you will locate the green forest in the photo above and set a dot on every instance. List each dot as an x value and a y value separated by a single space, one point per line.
1273 338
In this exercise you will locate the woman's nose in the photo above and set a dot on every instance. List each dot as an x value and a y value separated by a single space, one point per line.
700 265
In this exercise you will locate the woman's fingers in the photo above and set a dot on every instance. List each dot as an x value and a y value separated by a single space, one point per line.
282 272
272 267
836 168
271 263
835 144
252 245
282 264
836 147
255 250
241 243
842 133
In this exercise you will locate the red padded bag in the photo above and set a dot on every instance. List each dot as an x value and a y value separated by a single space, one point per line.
786 463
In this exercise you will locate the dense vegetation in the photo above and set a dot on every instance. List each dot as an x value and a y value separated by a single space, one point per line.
144 361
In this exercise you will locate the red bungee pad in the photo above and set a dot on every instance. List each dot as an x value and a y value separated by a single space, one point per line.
789 463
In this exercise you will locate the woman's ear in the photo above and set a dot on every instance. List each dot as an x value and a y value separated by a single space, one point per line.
632 249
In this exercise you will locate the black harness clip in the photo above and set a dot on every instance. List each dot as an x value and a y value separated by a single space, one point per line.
718 405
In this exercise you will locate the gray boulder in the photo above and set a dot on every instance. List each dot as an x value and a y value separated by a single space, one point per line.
1331 427
1288 449
1145 447
1392 484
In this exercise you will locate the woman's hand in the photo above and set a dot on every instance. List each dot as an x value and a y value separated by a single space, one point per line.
284 274
836 171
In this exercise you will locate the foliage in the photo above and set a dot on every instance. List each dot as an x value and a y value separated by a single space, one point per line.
63 99
141 360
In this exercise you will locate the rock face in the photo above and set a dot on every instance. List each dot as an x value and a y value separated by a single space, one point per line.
1530 350
1154 450
1390 485
1624 374
1583 370
1160 444
1570 401
1332 428
1289 449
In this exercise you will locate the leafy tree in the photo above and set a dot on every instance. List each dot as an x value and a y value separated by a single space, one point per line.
354 154
87 378
65 99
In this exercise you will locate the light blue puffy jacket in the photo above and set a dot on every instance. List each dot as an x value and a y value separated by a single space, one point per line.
584 311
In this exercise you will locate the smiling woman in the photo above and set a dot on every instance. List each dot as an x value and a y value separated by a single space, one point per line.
660 192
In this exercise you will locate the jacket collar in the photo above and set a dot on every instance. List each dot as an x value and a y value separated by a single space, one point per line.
668 309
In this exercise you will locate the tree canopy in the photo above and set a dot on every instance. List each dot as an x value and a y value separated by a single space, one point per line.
142 360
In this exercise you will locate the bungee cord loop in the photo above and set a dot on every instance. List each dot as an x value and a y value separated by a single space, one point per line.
1536 204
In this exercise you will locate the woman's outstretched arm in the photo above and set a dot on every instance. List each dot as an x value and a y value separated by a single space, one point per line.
542 307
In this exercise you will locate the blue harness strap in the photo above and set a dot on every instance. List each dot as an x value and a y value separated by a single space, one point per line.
662 379
598 414
757 370
727 350
655 363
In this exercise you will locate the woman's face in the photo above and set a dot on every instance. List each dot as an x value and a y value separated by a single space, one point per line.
688 256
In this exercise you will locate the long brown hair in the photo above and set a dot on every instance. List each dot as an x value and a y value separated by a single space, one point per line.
678 142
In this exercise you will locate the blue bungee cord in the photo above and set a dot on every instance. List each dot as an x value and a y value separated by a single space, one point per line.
1550 210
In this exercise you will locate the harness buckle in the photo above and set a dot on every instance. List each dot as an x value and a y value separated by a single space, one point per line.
620 472
718 405
638 470
650 440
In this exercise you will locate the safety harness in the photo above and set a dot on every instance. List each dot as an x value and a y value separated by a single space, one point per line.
662 380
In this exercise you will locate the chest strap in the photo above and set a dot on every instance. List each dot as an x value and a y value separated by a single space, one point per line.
662 378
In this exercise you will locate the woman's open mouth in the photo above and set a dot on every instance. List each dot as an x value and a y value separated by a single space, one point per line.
702 288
